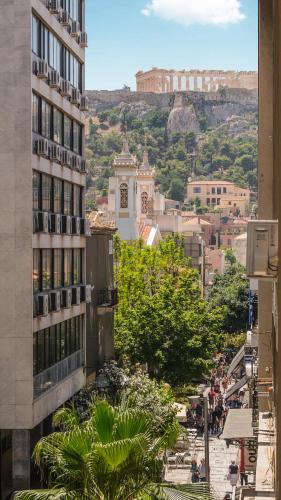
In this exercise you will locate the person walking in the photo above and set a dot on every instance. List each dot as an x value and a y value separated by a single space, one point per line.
202 471
194 472
224 384
233 473
211 398
243 476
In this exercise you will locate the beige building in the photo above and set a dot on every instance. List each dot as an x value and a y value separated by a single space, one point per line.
42 237
222 194
162 80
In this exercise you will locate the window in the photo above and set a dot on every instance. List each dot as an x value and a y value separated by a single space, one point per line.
218 190
45 43
36 190
224 190
58 342
36 271
40 365
123 196
218 201
46 119
213 201
46 192
197 189
57 195
35 113
213 190
76 138
57 268
144 203
57 126
67 209
46 269
67 132
77 266
67 267
77 200
35 36
208 201
52 346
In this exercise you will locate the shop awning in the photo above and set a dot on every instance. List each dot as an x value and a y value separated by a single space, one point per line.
235 362
234 388
238 425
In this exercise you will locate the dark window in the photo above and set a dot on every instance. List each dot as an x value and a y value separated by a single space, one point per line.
67 208
67 132
218 190
46 119
35 354
51 50
76 138
47 347
57 126
36 270
52 351
45 43
77 266
36 190
67 267
46 192
63 332
35 113
197 190
35 36
213 190
77 201
58 342
40 351
46 269
57 183
57 268
224 190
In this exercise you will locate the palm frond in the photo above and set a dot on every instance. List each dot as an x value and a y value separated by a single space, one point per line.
56 494
66 417
102 421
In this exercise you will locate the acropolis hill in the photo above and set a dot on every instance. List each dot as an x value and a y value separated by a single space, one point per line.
162 80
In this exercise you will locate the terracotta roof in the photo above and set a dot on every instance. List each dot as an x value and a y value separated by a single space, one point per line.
102 199
212 182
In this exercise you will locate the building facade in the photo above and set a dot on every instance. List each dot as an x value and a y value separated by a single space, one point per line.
223 194
43 229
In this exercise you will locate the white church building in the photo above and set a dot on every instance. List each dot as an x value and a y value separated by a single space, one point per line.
133 200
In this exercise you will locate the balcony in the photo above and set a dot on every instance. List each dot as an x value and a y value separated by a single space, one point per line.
107 298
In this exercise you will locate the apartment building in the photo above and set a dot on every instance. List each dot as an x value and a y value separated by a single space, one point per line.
223 194
43 230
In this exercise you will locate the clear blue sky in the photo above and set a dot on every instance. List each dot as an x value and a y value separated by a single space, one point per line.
167 34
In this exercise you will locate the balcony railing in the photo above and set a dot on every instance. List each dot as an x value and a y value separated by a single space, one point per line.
47 379
107 298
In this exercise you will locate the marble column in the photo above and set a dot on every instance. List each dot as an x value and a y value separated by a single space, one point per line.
187 82
21 459
179 83
195 83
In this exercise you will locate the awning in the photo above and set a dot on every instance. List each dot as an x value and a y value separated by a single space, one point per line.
236 387
235 362
238 425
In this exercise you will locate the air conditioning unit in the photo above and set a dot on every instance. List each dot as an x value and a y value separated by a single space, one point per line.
42 304
55 153
83 39
83 166
42 69
76 226
74 161
42 222
66 158
84 104
42 147
85 227
75 29
66 224
54 79
262 248
55 300
64 19
75 96
66 298
35 221
54 6
65 88
86 293
76 299
55 223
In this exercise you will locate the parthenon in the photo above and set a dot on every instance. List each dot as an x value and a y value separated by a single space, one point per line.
163 80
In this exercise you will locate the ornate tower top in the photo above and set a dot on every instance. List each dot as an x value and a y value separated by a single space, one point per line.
145 168
125 158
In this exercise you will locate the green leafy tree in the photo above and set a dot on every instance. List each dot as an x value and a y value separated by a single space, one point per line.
177 190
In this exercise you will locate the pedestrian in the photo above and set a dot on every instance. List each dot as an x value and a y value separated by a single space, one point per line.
243 476
224 384
211 398
233 473
241 396
202 471
194 472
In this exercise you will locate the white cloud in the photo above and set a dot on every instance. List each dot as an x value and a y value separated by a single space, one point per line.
187 12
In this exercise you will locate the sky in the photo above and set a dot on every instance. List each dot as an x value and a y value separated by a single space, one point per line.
130 35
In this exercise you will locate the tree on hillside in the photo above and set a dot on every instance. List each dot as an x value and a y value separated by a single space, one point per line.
230 291
177 190
161 319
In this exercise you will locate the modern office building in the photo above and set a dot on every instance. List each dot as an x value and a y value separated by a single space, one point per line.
43 229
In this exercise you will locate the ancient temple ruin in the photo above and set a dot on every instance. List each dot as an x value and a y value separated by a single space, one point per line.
163 80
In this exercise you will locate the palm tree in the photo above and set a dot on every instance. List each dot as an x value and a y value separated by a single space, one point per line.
112 456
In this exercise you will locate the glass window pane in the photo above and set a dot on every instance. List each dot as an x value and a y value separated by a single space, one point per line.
57 268
76 138
58 342
67 267
57 126
46 269
77 267
46 192
72 336
35 113
36 190
35 35
51 50
46 120
47 348
57 183
63 340
67 132
67 198
36 270
77 200
35 367
40 351
52 353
